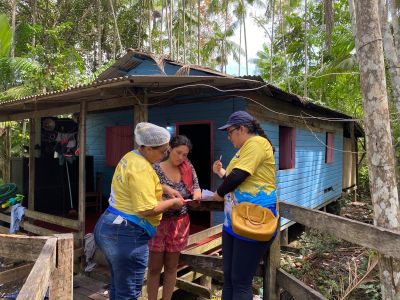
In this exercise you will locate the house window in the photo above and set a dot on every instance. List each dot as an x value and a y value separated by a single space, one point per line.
329 147
119 141
287 147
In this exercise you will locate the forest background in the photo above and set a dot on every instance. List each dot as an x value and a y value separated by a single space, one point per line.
308 49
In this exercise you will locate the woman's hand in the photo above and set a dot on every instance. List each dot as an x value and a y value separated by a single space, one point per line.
171 192
218 169
177 203
217 197
197 195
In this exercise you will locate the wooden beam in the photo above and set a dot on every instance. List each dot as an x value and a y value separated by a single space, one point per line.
201 235
92 106
15 274
21 247
82 169
32 165
383 240
202 261
61 282
295 287
64 222
271 262
208 206
212 244
193 288
36 284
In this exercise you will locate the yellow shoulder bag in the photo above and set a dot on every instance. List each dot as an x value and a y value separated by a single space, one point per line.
254 221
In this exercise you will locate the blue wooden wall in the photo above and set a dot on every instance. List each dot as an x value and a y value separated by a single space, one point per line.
96 141
303 185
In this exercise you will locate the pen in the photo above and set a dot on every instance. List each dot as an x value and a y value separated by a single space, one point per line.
220 157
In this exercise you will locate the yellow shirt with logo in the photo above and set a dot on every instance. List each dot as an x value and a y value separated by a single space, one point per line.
135 187
255 157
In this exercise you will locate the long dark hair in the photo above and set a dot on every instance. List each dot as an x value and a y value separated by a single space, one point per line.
255 127
180 140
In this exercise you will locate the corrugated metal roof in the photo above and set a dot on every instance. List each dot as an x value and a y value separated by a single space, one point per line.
128 62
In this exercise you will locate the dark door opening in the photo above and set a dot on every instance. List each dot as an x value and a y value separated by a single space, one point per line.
200 134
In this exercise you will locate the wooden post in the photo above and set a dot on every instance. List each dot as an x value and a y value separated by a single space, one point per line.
271 265
353 159
7 145
82 171
284 237
140 113
61 281
32 165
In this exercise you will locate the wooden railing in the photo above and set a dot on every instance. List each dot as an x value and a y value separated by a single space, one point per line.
28 224
51 270
382 240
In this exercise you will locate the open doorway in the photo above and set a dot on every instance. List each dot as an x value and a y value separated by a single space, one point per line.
200 134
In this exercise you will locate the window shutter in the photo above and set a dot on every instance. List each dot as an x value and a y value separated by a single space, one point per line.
330 137
119 141
287 147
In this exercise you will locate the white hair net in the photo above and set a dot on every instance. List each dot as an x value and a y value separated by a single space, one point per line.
148 134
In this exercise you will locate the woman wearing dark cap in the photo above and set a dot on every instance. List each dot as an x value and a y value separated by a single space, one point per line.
249 177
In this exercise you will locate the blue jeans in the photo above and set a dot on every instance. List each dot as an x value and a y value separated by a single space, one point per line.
126 250
240 262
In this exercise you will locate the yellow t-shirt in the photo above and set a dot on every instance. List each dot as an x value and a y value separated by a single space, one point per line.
135 187
255 157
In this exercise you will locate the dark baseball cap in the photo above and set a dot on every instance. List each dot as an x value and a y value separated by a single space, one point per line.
238 118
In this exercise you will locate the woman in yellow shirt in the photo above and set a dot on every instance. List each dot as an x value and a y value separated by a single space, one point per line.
123 231
249 177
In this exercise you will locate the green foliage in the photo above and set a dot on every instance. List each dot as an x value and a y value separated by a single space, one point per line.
5 36
333 78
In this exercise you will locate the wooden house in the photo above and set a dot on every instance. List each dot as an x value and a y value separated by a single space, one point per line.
314 146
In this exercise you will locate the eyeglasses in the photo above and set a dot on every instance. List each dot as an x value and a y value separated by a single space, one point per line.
229 132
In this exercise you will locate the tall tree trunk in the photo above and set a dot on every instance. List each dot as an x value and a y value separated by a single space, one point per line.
272 40
328 17
245 36
223 53
34 20
161 27
171 15
167 23
240 43
150 29
354 23
284 46
13 21
392 4
184 30
305 50
198 32
190 32
99 55
380 154
390 54
139 41
116 26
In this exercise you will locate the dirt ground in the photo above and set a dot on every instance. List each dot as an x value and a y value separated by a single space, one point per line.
336 268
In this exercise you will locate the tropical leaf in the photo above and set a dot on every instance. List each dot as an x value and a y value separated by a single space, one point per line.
5 36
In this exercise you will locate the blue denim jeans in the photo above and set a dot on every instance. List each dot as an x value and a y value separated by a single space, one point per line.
125 247
240 262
